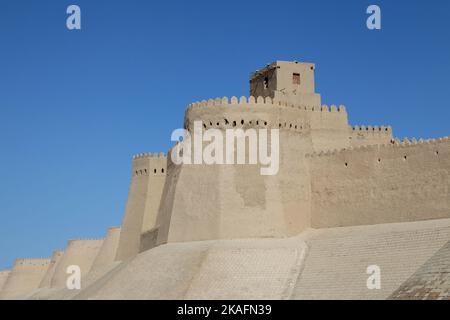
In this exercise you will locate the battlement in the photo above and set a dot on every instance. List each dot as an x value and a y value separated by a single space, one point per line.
88 243
259 112
149 155
21 263
371 129
85 240
399 181
329 174
147 183
394 144
147 164
259 100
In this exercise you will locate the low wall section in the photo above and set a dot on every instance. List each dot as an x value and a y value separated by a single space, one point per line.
144 197
81 253
47 279
398 182
24 278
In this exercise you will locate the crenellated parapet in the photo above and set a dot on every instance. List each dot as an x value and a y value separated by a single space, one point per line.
369 135
400 181
149 155
393 145
26 263
326 124
145 164
80 252
221 104
371 129
148 177
24 278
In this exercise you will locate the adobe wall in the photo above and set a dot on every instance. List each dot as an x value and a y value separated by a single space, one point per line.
47 279
24 278
147 183
204 202
107 253
369 135
157 178
81 253
149 239
327 125
398 182
280 85
3 277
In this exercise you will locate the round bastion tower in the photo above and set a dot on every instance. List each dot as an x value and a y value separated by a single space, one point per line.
226 201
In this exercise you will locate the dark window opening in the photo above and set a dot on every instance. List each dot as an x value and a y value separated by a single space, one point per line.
296 78
266 82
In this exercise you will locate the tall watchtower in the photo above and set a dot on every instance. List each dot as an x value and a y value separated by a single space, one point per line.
286 81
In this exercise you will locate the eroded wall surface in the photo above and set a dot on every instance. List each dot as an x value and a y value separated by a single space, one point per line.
369 135
147 183
204 202
47 279
80 253
108 251
3 277
397 182
24 278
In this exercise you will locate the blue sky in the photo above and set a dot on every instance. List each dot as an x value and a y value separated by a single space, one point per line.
76 105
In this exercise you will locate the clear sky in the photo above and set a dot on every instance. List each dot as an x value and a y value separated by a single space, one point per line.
76 105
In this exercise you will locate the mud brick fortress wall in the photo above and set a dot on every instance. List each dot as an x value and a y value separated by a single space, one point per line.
147 182
330 174
395 182
24 277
